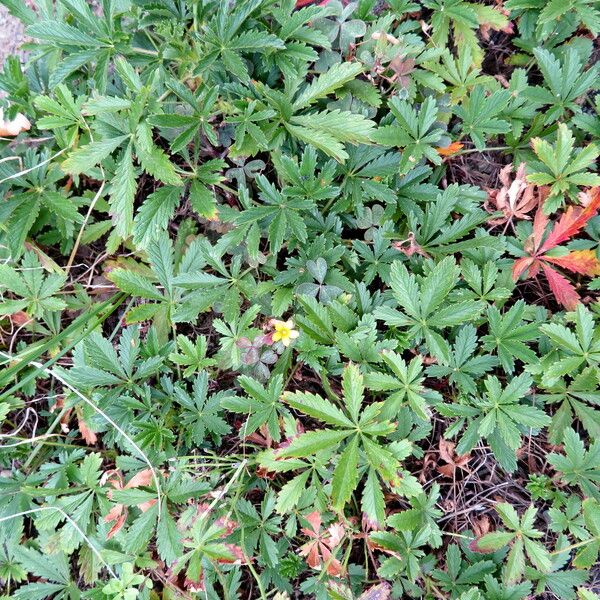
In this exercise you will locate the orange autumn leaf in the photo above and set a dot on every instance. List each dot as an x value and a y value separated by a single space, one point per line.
451 149
584 262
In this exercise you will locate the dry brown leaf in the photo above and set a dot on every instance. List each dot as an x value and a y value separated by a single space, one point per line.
409 246
381 591
318 550
118 513
13 127
516 198
452 459
87 434
481 526
20 318
402 67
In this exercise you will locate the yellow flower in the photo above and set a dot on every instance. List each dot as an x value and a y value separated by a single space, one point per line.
284 331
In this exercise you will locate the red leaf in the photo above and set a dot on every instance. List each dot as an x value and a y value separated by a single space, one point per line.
571 222
539 227
584 262
520 266
117 526
561 287
318 549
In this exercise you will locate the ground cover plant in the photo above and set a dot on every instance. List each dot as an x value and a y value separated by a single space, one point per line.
300 300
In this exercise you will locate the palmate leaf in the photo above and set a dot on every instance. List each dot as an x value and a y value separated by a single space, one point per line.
565 80
499 416
521 536
480 115
36 290
417 133
508 335
562 168
586 10
201 412
575 399
465 364
360 427
280 213
578 466
262 404
404 386
427 309
575 348
222 40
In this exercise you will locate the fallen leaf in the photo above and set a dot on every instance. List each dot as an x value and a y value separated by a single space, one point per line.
454 461
516 198
410 246
87 434
20 318
402 67
319 549
381 591
481 526
450 149
118 513
13 127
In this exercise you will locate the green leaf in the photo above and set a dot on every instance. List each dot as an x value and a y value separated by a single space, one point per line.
352 385
154 214
85 157
313 441
515 563
152 159
122 196
317 407
168 538
134 284
345 475
328 82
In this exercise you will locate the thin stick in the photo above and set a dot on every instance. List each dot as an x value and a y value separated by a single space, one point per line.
83 225
25 171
